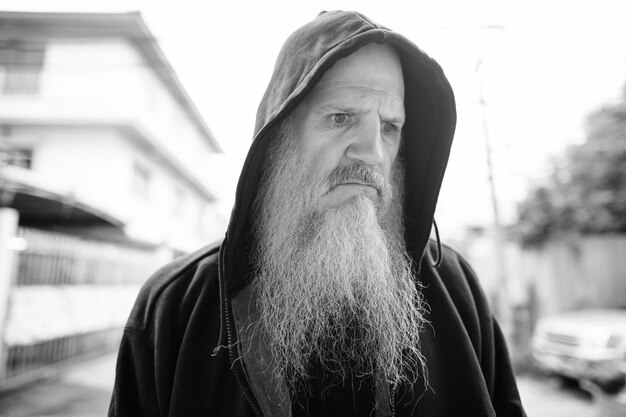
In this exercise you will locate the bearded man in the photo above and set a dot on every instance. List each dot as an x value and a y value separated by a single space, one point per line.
324 298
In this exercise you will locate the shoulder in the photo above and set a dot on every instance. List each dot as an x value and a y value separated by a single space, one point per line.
456 270
453 286
457 278
175 289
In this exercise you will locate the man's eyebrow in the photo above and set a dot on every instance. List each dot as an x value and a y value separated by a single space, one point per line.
399 119
340 107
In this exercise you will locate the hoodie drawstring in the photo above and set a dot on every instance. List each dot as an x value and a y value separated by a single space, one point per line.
439 261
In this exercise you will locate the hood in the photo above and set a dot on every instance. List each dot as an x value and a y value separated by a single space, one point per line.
429 127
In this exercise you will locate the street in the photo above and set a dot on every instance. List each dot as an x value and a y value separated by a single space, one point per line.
548 397
84 391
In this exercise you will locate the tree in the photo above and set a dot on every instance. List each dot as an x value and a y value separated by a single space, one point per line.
586 193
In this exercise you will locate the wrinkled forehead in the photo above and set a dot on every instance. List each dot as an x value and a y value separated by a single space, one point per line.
375 67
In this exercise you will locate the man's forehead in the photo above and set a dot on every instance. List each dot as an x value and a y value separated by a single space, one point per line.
342 94
374 66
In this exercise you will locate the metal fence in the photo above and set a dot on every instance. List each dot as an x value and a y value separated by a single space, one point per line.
25 363
58 259
61 271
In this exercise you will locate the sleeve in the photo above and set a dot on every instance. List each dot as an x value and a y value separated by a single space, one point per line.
135 387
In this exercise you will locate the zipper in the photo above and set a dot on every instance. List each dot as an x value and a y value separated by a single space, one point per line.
238 368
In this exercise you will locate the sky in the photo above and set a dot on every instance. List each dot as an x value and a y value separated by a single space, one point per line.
544 65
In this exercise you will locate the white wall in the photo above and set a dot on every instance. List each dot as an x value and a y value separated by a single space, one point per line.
112 77
96 166
93 71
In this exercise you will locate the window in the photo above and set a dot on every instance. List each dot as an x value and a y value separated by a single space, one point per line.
21 65
141 179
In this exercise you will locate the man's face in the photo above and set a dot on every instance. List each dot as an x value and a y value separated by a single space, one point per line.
354 115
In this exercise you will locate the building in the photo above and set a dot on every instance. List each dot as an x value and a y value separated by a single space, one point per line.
97 132
104 176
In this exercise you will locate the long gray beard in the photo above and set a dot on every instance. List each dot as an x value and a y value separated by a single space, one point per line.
336 287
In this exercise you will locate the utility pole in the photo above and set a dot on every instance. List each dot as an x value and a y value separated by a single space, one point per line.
503 301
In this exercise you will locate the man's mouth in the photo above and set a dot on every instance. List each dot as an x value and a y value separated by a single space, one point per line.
357 184
346 191
356 180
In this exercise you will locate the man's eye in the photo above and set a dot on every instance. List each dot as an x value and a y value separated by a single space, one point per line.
340 118
390 128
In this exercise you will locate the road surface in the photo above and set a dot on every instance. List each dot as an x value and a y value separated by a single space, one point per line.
85 391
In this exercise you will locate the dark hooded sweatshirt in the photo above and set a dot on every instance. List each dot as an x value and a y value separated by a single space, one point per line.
187 349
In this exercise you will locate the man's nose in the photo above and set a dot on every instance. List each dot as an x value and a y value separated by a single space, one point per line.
367 143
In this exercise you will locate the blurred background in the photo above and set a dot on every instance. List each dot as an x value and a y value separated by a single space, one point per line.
124 125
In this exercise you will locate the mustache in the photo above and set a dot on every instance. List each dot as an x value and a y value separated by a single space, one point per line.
362 174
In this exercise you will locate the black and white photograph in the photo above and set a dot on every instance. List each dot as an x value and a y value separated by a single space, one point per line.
312 209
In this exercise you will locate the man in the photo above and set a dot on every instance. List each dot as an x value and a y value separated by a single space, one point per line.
324 297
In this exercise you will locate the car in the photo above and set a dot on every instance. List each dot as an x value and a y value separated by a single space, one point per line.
571 344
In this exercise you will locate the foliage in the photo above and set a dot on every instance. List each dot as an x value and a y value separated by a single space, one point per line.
586 192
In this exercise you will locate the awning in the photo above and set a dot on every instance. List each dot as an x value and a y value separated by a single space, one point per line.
39 207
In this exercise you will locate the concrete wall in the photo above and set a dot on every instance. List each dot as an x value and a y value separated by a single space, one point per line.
577 273
574 273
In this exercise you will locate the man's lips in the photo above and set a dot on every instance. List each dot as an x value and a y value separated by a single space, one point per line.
342 192
356 183
345 190
357 179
